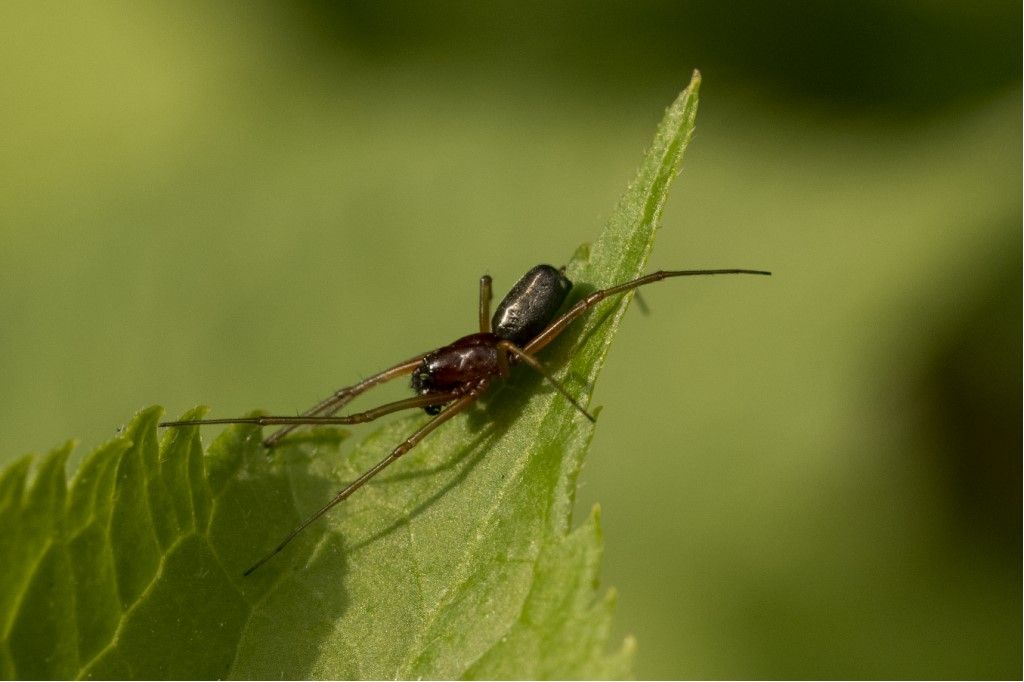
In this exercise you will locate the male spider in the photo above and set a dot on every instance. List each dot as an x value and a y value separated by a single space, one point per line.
448 379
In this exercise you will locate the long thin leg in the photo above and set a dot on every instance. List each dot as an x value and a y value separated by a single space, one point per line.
560 323
357 418
406 445
344 396
509 347
485 304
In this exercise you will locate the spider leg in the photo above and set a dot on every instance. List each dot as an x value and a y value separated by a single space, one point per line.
357 418
344 396
485 304
404 447
507 347
558 325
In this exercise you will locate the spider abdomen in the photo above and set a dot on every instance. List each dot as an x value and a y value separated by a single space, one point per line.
531 304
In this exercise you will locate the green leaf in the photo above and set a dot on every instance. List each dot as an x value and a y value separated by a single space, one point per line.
458 561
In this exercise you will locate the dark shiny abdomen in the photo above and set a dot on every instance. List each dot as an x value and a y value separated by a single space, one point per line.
531 304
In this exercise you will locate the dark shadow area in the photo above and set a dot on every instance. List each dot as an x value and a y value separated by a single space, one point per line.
272 493
970 389
878 56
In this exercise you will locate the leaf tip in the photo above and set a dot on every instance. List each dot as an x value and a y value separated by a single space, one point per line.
151 412
144 420
629 646
594 523
197 412
581 255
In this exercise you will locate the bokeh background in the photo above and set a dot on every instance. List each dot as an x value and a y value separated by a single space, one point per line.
248 204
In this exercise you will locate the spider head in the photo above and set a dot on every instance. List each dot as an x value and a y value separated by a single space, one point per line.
423 383
423 379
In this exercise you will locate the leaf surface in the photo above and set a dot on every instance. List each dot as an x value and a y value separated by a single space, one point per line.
458 561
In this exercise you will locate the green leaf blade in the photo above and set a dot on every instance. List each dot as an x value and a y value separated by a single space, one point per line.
42 639
459 561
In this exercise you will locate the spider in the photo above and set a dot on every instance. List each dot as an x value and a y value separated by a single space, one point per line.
449 379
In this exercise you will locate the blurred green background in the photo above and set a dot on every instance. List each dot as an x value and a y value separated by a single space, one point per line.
819 475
